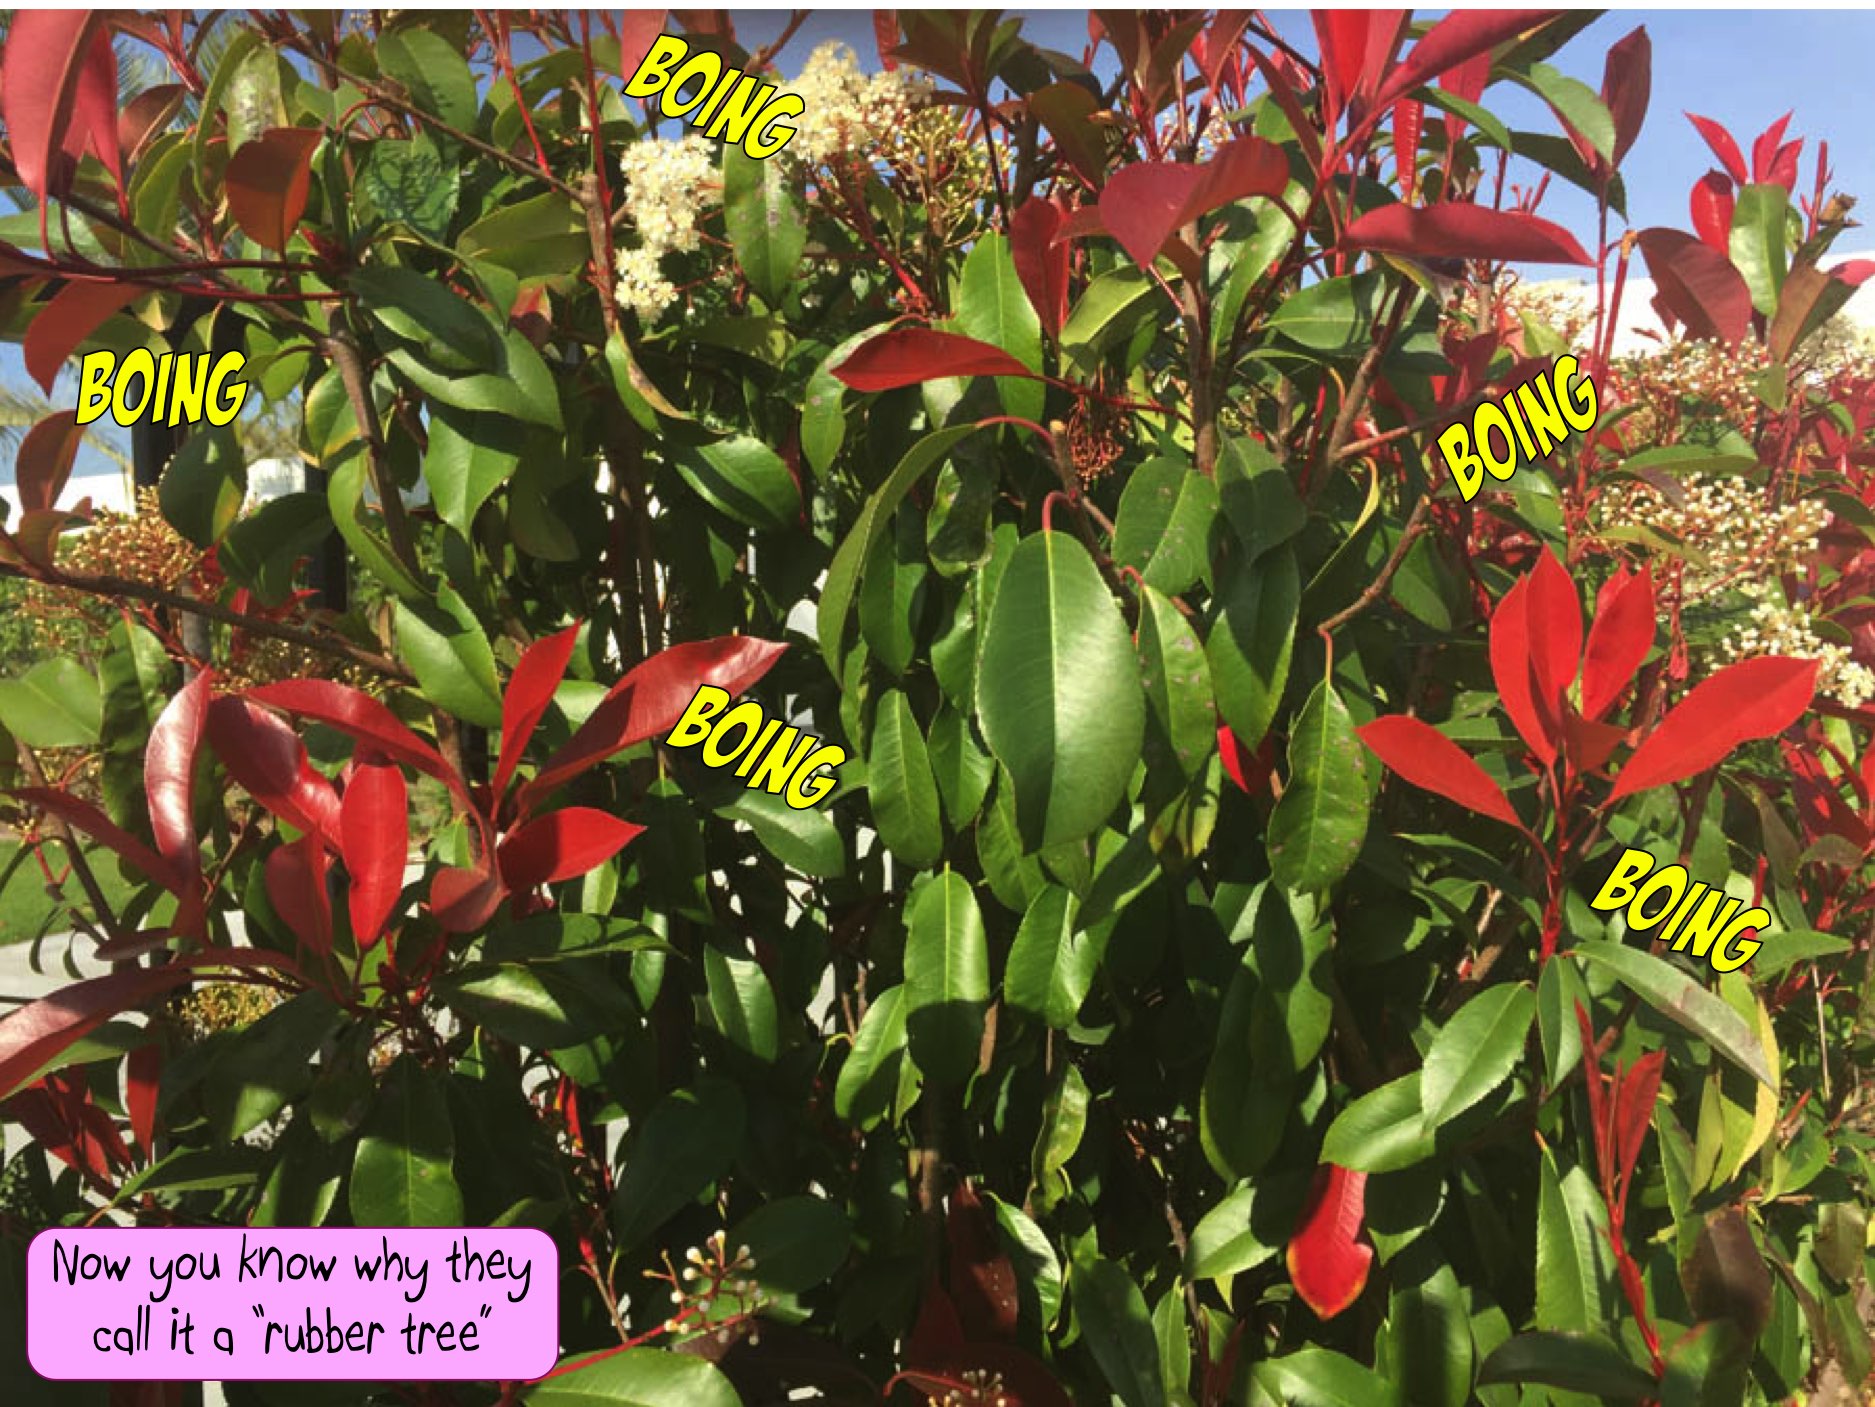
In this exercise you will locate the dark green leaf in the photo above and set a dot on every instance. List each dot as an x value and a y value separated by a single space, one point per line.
403 1173
947 977
1318 825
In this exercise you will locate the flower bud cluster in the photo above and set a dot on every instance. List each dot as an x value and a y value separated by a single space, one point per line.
1725 520
848 111
713 1289
1778 628
981 1388
668 186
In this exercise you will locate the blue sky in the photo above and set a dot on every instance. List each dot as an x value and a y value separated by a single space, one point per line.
1744 68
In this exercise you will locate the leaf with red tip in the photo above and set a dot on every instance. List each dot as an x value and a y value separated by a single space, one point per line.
1041 263
32 1034
1328 1261
1619 639
463 900
143 1074
295 875
1143 205
1250 770
146 115
169 773
1698 284
649 700
561 845
1712 206
374 840
71 315
1783 168
58 94
1723 146
268 181
1428 759
1764 149
1635 1091
1754 698
1461 231
1627 84
1511 668
265 756
530 691
1555 642
906 356
45 460
1462 35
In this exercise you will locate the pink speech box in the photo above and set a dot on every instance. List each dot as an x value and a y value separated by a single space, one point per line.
216 1304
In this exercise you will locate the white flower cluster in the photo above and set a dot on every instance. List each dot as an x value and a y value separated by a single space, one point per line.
1725 519
1778 628
847 110
668 185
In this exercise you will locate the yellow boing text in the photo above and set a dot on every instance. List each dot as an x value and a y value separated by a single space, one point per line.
1691 916
782 761
724 103
1534 417
176 388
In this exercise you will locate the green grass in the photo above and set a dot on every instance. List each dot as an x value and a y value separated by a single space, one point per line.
27 909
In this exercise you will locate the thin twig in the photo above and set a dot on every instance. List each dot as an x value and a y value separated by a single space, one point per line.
1415 525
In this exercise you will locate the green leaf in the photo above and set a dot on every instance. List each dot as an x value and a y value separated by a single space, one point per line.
56 703
958 527
1251 639
1177 682
1382 1131
1757 242
1475 1051
253 99
1558 990
410 183
764 221
433 73
267 1065
947 977
992 308
1058 690
470 455
688 1141
1320 1377
1428 1334
1678 997
1109 309
797 1242
535 238
1690 459
263 550
743 1003
457 335
522 388
806 840
638 1377
540 1005
1317 826
1571 1249
1050 968
1257 496
1164 523
1116 1328
1335 315
1574 1362
891 596
868 1079
345 497
1485 121
1575 102
1226 1241
904 792
962 768
204 486
403 1173
446 649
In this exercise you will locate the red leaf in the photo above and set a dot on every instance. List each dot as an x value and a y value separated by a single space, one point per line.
1461 35
1783 169
36 1032
1601 1127
169 773
296 887
885 36
982 1279
1409 118
1459 231
1635 1092
1250 770
83 816
907 355
1764 149
1698 284
268 181
143 1073
361 717
1510 666
937 1335
71 315
530 691
266 757
58 93
638 31
1555 640
463 900
1751 699
1144 204
374 839
1619 639
1041 264
45 459
1627 84
1356 47
649 700
561 845
1467 81
146 114
1427 758
1328 1262
1723 146
1713 203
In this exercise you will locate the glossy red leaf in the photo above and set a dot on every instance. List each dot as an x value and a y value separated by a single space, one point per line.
1460 231
1712 205
1250 770
1356 47
541 668
1409 119
146 115
906 356
70 316
1460 36
885 37
982 1279
1143 205
1511 668
1635 1091
1764 149
362 718
649 700
562 844
1428 759
1627 84
463 900
1783 168
45 460
169 773
1754 698
143 1074
295 875
374 840
638 31
1697 284
937 1334
1328 1261
1465 80
58 93
1555 639
1041 263
34 1033
265 756
85 818
1723 146
268 181
1619 639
